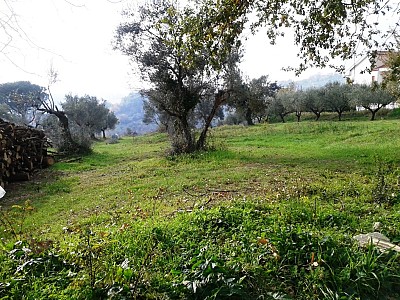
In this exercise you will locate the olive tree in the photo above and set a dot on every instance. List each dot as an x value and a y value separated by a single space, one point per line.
314 101
371 97
282 103
90 113
108 123
256 96
262 92
337 98
297 104
179 69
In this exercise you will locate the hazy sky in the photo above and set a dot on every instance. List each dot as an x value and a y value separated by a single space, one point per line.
74 36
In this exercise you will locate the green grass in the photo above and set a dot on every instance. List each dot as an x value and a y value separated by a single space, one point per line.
270 213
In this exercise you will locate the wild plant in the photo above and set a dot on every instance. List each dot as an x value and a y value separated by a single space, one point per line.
12 222
386 185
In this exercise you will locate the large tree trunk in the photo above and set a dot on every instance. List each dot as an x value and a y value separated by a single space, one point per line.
298 115
187 134
248 117
340 114
69 145
219 99
373 114
66 133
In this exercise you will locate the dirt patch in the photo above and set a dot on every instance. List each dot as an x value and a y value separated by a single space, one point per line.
19 192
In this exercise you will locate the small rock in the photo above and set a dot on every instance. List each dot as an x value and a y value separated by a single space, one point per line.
377 226
377 239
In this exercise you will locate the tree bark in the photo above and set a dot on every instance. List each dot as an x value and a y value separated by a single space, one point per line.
340 114
249 118
298 115
66 134
219 99
189 147
373 113
69 144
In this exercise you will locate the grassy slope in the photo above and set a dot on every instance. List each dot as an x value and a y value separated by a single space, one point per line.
314 180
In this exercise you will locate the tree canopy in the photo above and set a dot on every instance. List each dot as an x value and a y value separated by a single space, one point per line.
90 113
371 97
314 101
322 29
337 98
18 100
251 99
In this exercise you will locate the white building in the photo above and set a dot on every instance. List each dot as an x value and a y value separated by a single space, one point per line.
361 72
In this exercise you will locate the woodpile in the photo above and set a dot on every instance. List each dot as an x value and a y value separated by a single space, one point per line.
22 150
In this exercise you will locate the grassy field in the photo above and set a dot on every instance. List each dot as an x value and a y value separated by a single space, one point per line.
269 214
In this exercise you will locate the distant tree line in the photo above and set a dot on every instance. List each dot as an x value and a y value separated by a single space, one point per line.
333 97
260 100
71 124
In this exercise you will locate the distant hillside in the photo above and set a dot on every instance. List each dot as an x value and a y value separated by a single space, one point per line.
316 81
130 114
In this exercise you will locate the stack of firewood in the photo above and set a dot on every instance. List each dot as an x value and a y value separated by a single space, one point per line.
22 150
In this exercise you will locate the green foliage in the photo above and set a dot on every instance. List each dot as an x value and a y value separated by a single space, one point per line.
337 98
251 100
12 222
18 101
386 189
371 98
89 113
314 101
33 270
322 30
394 113
284 103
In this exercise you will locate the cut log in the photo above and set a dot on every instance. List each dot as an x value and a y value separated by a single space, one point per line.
48 161
22 150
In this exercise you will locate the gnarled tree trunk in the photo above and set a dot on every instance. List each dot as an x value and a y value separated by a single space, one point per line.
220 98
